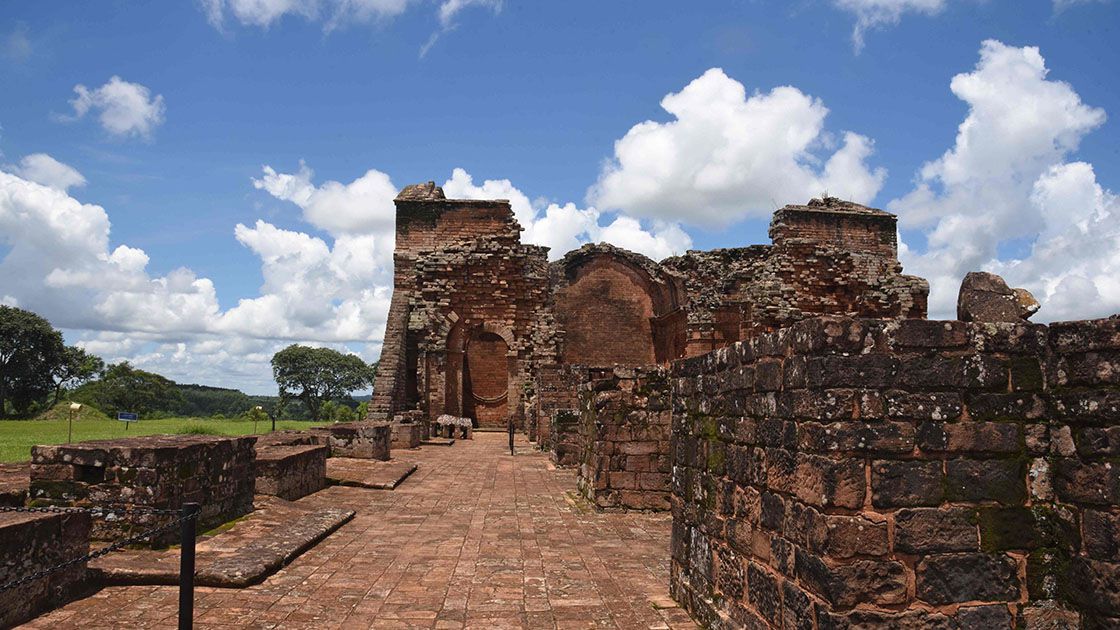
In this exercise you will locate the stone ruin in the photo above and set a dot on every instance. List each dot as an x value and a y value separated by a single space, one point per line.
831 458
480 324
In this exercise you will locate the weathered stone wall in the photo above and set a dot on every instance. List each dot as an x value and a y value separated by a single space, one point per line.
406 434
556 387
565 438
829 257
624 439
363 440
159 471
476 316
916 474
34 542
291 471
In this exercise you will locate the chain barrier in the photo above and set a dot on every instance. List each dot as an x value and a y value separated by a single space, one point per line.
120 544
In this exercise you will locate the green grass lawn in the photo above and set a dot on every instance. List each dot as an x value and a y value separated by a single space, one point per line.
18 436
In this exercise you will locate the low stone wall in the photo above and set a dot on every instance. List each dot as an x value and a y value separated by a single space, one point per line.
916 474
291 472
624 436
557 389
364 440
34 542
14 481
159 471
406 435
564 439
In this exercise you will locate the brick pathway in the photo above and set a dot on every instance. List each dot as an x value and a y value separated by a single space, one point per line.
473 539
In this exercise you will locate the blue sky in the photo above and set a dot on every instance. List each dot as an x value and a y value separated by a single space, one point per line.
536 93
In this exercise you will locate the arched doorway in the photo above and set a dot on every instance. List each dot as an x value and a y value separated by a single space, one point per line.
485 388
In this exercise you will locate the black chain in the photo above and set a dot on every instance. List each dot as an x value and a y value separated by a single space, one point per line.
95 511
120 544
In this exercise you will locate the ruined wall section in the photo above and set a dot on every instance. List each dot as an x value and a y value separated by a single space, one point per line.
624 439
616 307
828 257
426 221
849 473
481 295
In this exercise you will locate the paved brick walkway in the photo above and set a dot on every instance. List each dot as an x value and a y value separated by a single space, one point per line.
473 539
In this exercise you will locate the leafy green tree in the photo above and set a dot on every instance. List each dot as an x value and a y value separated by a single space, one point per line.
30 349
318 375
125 388
77 367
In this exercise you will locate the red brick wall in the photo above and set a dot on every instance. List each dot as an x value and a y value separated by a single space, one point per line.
486 380
605 314
858 232
911 474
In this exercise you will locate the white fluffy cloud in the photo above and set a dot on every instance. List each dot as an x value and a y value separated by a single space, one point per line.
728 156
1006 179
59 264
124 109
563 228
872 14
44 169
362 206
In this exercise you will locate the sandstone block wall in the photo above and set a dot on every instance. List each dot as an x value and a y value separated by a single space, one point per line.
557 387
364 440
406 435
34 542
565 439
624 438
291 472
159 471
918 474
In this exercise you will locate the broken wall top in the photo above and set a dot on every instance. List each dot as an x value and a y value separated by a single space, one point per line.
427 219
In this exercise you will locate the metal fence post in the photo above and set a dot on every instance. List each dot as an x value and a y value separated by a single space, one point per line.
186 566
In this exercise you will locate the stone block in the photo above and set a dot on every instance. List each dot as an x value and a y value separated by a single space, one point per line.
922 531
846 585
1000 480
362 440
967 577
291 472
906 483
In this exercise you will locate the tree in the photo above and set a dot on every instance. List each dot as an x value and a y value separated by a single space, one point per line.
30 349
125 388
318 375
77 367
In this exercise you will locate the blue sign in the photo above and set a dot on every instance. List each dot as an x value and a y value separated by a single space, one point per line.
127 417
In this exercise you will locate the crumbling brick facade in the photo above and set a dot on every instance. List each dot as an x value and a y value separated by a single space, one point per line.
848 473
482 326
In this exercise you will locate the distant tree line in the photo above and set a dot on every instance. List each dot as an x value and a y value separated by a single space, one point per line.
37 370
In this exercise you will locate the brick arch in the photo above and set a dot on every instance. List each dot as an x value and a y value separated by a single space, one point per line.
501 330
616 307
